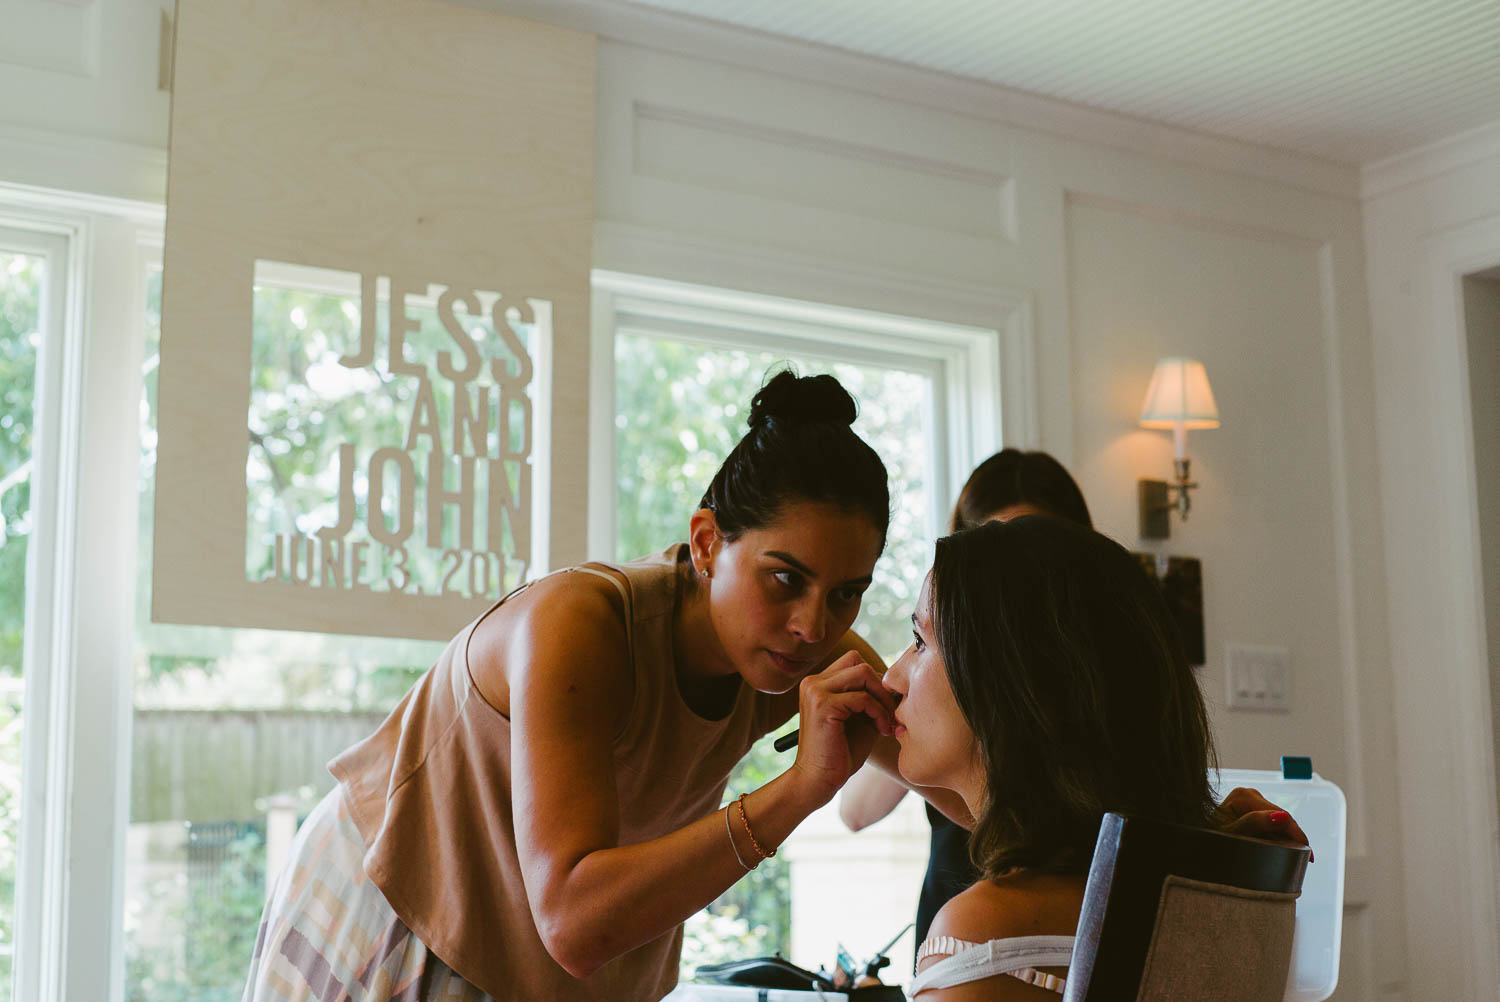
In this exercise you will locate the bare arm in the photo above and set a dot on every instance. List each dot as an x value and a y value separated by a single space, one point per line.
593 899
870 796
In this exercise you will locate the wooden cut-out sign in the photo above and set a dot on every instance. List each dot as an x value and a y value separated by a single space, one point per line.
374 363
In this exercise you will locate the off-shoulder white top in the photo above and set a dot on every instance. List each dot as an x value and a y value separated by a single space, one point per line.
1017 956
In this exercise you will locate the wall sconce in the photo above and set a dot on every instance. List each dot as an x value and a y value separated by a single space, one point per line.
1178 398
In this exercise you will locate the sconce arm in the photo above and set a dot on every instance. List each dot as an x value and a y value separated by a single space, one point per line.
1156 501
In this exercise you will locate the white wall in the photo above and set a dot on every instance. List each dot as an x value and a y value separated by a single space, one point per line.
721 174
79 103
1430 218
836 181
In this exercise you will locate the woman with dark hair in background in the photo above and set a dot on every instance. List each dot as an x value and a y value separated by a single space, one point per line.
1008 484
1011 483
1046 684
540 814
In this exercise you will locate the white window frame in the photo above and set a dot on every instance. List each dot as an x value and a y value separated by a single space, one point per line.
980 394
981 384
53 503
81 588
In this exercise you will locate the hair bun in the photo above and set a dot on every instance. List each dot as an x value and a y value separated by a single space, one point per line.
802 400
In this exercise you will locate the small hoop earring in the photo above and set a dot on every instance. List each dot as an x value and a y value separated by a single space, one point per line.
704 571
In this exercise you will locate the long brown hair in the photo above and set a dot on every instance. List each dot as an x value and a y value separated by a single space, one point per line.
1068 668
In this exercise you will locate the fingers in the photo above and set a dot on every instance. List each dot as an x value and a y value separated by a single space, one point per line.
851 672
845 705
1273 826
1242 800
839 706
1288 826
844 708
1246 812
845 660
841 692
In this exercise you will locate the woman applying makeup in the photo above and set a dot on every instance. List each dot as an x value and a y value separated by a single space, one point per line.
539 815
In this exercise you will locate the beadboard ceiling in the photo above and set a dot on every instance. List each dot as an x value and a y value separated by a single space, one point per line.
1349 81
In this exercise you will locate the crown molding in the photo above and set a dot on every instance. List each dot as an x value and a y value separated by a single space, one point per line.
98 167
136 172
633 24
1430 161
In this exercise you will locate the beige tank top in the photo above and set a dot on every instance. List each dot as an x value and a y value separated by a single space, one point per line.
430 793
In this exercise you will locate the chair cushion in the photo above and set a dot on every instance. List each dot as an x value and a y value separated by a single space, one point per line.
1220 943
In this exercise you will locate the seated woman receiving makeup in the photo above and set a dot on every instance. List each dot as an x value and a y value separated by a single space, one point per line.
1046 685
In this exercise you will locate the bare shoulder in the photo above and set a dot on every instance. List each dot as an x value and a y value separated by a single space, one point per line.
1026 904
1040 904
568 624
584 599
1020 905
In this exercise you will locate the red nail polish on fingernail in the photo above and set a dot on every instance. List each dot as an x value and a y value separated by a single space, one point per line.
1280 817
1310 857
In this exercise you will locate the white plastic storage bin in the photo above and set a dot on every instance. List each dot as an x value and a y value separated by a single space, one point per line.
1318 806
689 992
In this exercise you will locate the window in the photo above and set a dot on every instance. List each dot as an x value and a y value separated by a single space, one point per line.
38 383
149 774
326 428
233 727
686 362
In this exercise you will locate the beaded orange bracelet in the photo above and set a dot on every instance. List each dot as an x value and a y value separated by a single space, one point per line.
740 803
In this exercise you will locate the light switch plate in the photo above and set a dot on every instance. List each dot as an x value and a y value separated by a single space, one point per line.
1257 678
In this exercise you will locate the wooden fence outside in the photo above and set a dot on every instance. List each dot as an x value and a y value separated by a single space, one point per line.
214 765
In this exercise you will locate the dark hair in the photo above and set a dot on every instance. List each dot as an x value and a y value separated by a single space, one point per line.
1012 477
799 448
1066 664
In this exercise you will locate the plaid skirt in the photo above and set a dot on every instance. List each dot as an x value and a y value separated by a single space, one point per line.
328 933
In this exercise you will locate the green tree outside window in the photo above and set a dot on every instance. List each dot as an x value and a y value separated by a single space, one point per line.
20 297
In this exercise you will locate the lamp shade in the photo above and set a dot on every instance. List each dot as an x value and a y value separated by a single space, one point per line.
1179 395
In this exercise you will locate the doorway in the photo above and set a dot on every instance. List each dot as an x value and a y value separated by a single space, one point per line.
1481 306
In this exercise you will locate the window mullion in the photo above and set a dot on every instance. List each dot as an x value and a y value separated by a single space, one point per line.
602 523
102 610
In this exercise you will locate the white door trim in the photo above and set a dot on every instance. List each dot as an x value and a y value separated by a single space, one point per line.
1450 840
